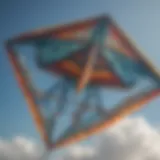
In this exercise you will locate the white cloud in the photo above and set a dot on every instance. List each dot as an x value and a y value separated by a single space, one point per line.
132 139
19 148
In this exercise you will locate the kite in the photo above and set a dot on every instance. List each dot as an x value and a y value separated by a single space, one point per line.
72 64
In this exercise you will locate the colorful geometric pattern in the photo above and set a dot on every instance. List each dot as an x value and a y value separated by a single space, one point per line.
89 55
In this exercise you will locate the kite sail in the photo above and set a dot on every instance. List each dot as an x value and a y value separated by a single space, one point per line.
63 71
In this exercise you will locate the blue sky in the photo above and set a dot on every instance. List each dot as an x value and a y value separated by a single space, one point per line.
140 18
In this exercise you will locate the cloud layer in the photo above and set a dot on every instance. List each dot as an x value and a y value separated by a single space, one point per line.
132 139
19 149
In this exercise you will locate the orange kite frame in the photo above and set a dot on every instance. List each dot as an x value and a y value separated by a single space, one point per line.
122 110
